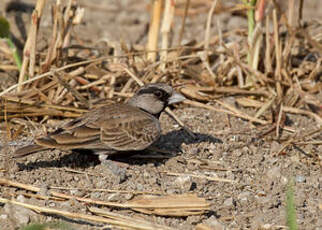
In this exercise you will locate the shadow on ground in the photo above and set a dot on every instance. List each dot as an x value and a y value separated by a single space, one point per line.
170 142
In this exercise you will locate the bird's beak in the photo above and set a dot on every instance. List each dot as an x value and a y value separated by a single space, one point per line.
175 98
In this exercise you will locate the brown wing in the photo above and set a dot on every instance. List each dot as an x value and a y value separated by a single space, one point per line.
112 128
135 131
79 133
29 149
117 127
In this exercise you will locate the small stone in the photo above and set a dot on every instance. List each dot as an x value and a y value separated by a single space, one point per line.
175 126
3 216
95 195
51 204
234 138
212 147
245 150
184 182
257 221
114 197
238 152
118 173
224 154
261 193
171 191
194 151
44 190
273 173
300 179
229 175
230 100
139 187
267 226
20 214
263 199
202 227
243 197
21 198
146 174
101 184
228 202
193 219
275 147
73 192
215 224
284 180
129 196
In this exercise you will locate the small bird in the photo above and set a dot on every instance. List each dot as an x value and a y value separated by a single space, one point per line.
111 129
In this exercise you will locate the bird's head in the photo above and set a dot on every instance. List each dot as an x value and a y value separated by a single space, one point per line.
154 98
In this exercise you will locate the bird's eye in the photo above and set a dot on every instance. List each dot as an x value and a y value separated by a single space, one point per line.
158 93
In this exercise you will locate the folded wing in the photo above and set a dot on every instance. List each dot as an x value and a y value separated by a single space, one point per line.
116 127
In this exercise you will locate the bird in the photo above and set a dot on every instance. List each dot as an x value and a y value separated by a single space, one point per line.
111 129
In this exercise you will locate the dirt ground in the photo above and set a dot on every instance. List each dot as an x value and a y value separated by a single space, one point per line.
224 146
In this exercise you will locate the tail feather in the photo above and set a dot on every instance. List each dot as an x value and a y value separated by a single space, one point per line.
27 150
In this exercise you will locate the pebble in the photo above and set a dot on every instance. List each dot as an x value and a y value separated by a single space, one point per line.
234 138
275 147
284 180
119 173
114 197
245 150
21 198
139 187
274 173
44 191
238 152
224 154
212 147
101 184
267 226
73 192
95 195
3 216
171 191
129 196
261 193
195 151
51 204
193 219
183 182
66 205
300 179
228 202
263 199
215 224
243 197
20 214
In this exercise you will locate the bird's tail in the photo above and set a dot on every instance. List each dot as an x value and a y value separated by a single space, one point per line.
27 150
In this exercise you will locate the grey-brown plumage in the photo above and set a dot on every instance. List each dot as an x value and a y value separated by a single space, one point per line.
113 128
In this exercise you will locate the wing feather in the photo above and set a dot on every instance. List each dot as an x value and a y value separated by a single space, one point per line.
118 127
135 132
